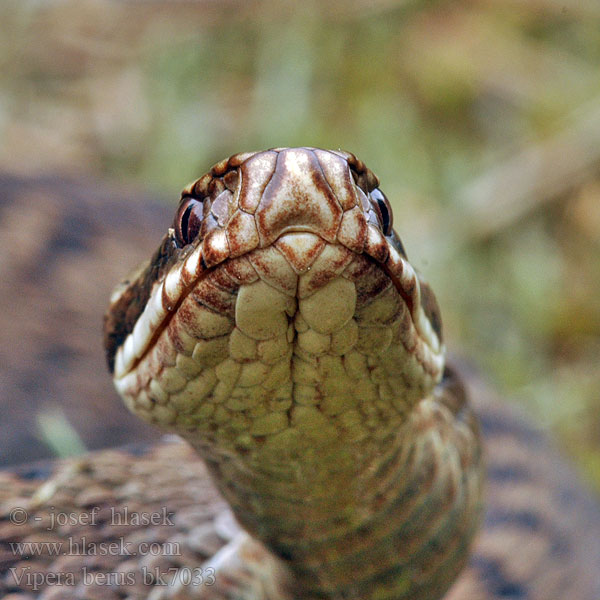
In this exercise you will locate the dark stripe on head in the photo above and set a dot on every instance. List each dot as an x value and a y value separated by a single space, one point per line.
123 314
431 309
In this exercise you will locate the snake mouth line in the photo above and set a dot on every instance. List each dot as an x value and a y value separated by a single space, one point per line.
168 295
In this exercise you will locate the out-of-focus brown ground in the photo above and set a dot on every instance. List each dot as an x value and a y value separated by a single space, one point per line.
64 243
481 118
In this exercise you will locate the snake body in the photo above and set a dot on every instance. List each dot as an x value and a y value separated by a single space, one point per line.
418 469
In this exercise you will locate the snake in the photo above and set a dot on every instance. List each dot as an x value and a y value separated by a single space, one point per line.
280 330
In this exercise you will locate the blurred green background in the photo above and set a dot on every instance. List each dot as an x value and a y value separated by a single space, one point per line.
482 119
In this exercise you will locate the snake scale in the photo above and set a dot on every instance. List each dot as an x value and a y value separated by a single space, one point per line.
280 329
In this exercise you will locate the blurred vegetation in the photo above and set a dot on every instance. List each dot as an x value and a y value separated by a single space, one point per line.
481 117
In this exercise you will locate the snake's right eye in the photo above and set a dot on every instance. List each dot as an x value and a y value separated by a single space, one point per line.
188 221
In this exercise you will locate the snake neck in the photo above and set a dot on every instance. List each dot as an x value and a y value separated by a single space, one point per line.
392 519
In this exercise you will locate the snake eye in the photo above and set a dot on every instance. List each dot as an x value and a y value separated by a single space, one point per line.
383 210
188 221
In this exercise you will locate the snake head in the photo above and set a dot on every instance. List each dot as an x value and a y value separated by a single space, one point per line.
321 212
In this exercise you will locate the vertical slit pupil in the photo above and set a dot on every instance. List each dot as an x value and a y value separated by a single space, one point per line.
382 206
385 216
185 218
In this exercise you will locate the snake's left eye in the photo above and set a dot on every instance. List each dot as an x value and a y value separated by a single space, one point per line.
188 221
383 209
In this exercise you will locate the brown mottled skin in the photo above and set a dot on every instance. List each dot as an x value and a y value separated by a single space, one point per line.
63 245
